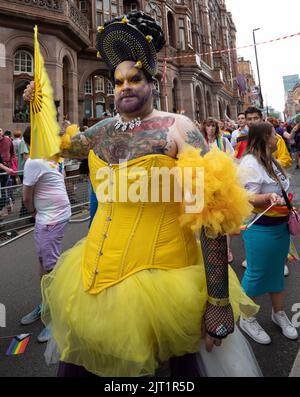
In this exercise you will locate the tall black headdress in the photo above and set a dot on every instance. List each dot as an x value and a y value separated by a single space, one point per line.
133 37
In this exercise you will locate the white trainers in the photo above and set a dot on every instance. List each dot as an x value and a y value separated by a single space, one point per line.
288 330
32 316
286 271
45 334
254 330
244 264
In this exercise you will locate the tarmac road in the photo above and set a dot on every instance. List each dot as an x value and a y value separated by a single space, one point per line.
19 292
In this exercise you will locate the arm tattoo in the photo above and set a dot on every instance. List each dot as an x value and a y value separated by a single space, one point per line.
196 139
81 142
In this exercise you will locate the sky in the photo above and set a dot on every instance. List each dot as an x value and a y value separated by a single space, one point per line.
275 18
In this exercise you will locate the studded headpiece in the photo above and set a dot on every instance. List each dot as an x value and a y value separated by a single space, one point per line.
133 37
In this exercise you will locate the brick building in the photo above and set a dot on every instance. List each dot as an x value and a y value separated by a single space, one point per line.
198 85
248 91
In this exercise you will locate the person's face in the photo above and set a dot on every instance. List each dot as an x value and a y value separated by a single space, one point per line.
1 134
211 130
253 118
133 93
241 120
273 141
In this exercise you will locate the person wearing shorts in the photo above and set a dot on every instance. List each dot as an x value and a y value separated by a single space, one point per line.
46 198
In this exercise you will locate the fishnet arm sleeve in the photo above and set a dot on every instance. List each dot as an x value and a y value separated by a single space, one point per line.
219 320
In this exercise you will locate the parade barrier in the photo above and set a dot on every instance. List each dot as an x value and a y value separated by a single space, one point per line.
15 219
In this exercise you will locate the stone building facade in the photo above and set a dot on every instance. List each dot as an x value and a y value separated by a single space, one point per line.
191 79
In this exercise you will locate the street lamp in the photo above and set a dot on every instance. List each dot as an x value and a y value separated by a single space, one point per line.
260 93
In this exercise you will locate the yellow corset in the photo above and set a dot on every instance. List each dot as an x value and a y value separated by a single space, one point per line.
126 237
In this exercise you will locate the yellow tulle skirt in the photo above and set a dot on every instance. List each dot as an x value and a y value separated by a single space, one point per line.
133 326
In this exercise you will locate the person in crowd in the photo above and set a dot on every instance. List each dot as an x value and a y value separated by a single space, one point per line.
214 137
134 293
267 240
8 159
45 197
17 137
242 130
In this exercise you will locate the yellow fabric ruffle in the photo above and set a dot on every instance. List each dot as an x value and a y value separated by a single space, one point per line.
133 326
226 202
72 130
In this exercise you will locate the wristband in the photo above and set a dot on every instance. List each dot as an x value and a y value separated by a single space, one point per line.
218 302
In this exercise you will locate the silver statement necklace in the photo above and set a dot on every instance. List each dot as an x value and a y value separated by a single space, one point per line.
125 125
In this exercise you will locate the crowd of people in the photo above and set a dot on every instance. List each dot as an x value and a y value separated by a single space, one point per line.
143 288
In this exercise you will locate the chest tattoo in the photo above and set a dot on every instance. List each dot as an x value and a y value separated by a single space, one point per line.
151 137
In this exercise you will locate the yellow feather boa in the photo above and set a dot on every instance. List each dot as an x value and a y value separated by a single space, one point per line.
72 130
226 202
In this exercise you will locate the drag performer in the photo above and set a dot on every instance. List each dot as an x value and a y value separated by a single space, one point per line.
139 290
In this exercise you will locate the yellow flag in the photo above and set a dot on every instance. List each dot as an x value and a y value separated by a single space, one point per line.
45 141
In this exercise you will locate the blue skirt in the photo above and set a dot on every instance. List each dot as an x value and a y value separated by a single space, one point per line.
266 252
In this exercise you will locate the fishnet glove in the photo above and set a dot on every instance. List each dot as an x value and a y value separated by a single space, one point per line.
219 320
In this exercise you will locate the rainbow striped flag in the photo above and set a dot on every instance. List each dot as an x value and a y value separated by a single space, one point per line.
18 344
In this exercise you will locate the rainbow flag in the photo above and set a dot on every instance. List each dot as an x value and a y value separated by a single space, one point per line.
18 344
293 255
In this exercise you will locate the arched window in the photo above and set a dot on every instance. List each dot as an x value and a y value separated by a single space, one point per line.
154 10
23 62
99 84
109 88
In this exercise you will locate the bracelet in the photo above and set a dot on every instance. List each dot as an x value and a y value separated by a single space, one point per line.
218 302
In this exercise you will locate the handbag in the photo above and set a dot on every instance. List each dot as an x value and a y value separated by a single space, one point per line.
294 217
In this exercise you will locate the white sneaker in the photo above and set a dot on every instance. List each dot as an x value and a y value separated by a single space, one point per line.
254 330
32 316
244 264
45 334
288 330
286 271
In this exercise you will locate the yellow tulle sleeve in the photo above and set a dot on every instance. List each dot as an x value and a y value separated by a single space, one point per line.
226 203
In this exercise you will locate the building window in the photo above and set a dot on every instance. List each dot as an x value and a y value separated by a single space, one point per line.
189 32
171 30
88 89
130 5
154 10
181 34
99 97
100 105
114 9
23 62
82 5
99 84
109 88
21 108
88 108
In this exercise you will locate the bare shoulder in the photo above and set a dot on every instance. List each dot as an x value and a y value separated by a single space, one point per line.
98 127
187 133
